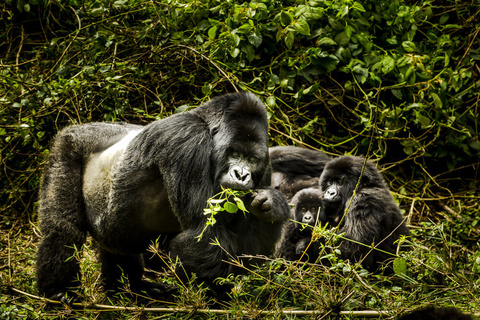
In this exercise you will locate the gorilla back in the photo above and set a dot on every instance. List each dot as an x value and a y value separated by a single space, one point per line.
126 185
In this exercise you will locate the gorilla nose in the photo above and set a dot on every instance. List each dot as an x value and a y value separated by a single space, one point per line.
307 218
330 193
241 175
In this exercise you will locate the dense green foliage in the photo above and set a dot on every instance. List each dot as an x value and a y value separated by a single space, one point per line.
395 80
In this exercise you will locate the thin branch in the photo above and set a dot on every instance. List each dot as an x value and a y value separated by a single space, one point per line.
104 307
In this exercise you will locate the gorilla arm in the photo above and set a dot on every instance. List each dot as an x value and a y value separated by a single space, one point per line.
369 221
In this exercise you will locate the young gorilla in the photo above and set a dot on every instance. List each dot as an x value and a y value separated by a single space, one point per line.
295 168
297 234
373 216
126 185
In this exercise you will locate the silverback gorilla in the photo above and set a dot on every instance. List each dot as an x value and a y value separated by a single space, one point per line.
297 233
126 185
373 216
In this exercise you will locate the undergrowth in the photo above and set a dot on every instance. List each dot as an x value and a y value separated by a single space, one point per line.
441 270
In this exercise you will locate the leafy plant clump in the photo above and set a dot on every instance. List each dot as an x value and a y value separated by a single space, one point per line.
228 200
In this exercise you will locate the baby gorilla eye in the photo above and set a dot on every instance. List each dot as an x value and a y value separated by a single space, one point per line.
235 154
304 209
313 209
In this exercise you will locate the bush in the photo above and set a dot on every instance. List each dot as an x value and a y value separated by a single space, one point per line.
395 80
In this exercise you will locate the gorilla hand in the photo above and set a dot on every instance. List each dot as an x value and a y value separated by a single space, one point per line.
262 206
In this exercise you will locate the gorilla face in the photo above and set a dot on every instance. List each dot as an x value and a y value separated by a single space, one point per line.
336 191
240 171
306 205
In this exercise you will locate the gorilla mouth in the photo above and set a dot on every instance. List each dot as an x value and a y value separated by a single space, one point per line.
237 187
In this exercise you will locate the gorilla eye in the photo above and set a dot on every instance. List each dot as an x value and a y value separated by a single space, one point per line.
304 209
235 154
252 160
313 210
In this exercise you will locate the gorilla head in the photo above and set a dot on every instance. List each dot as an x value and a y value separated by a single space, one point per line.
239 165
339 180
306 205
297 234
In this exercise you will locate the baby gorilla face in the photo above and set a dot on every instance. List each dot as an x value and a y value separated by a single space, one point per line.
308 214
306 205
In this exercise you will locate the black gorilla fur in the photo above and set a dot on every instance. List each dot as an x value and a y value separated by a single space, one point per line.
126 185
373 217
295 168
297 234
433 313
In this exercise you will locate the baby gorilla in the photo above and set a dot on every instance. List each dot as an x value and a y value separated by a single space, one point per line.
372 218
297 233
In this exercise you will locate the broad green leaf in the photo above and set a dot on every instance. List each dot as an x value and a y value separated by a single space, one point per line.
326 41
358 6
235 52
343 11
409 46
255 38
285 18
212 32
388 64
270 101
230 207
400 266
302 27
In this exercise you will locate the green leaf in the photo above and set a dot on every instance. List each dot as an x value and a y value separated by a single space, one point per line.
302 27
240 204
234 52
343 11
409 46
400 266
388 64
255 38
270 101
236 38
216 201
436 100
285 18
326 41
358 6
475 145
349 30
245 28
212 32
230 207
424 121
289 39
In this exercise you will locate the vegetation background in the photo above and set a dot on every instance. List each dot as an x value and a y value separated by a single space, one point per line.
394 80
